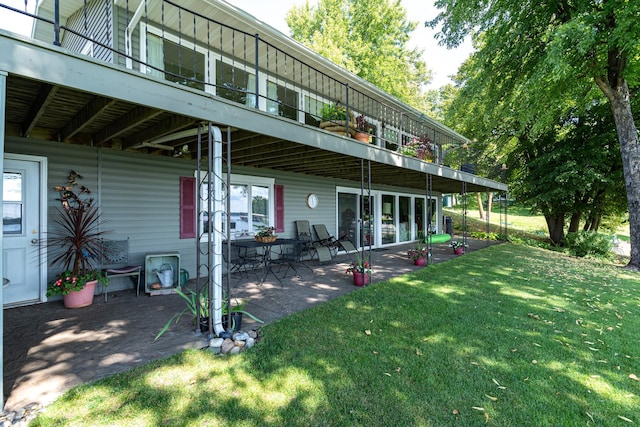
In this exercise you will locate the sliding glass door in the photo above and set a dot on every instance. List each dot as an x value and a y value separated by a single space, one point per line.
383 218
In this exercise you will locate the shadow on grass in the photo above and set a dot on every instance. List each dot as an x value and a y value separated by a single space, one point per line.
507 335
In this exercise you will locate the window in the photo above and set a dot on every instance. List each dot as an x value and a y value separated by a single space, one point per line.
252 206
235 84
181 63
312 111
12 213
391 139
282 101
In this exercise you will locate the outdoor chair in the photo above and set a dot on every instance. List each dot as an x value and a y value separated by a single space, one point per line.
325 239
116 252
311 247
240 259
348 248
291 257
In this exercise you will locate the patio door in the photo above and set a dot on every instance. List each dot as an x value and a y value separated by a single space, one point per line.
21 257
356 220
368 218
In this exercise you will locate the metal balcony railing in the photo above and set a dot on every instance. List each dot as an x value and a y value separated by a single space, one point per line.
165 39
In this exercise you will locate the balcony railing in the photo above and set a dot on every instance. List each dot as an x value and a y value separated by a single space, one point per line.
167 40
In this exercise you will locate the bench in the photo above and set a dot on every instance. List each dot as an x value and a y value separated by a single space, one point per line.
116 252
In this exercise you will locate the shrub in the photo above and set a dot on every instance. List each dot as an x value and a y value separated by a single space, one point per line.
583 243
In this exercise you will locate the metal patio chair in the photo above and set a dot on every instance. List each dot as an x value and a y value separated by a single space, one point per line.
325 239
311 247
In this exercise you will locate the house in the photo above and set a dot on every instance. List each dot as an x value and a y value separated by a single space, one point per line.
159 103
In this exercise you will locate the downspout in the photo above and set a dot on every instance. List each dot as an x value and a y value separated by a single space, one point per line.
129 31
215 278
3 101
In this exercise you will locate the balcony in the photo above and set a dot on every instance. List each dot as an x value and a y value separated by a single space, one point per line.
224 54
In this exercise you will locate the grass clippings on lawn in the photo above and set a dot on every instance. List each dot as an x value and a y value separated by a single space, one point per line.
506 336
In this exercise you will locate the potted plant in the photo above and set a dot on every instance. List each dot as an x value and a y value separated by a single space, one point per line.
198 306
419 255
420 147
335 119
265 235
361 270
458 247
363 129
78 243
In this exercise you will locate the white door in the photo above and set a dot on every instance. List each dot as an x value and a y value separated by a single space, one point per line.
21 255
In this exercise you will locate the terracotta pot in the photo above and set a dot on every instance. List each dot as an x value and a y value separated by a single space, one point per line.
81 298
362 137
458 251
420 262
360 279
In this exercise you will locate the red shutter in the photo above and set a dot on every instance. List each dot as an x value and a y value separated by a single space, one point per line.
279 207
187 207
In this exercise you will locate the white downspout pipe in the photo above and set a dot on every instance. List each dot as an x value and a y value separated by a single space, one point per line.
215 280
3 104
129 31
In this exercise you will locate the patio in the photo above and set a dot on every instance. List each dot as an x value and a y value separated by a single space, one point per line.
50 349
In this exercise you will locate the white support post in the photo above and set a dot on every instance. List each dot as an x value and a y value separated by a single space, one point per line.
3 103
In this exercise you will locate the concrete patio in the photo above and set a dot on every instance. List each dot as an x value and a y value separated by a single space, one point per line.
50 349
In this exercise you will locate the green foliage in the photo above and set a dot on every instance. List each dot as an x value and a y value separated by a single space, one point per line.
539 94
588 243
368 38
198 303
485 236
333 112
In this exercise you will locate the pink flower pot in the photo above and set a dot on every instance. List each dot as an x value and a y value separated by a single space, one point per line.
458 251
360 279
420 262
81 298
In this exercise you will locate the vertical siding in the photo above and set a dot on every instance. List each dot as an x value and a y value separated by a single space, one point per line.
98 18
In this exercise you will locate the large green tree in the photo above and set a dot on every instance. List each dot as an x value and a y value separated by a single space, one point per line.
368 38
542 48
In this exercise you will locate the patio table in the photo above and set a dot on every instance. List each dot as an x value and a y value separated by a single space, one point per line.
265 259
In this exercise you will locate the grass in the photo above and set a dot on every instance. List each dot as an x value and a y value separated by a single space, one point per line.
520 222
506 336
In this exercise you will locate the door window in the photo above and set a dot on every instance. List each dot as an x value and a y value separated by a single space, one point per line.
12 204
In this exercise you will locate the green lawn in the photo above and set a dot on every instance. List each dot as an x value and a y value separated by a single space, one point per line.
520 221
505 336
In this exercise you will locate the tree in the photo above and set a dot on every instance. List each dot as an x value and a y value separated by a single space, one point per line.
368 38
540 48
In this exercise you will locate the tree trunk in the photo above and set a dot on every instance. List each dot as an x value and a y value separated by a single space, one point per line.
574 224
479 199
555 223
630 151
489 204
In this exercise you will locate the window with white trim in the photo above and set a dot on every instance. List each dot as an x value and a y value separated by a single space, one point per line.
251 203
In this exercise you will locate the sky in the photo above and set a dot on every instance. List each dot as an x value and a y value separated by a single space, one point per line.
442 61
